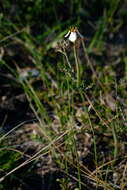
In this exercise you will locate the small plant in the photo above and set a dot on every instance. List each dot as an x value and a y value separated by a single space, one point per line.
72 40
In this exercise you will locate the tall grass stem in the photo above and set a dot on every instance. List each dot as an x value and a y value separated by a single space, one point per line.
90 64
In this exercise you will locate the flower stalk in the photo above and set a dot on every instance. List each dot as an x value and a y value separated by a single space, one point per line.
77 65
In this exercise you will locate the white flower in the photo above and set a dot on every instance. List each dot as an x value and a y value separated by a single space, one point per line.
73 34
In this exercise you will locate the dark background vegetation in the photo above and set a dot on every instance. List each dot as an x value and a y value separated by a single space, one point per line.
28 31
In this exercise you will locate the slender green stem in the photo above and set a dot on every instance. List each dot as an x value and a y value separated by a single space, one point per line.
77 66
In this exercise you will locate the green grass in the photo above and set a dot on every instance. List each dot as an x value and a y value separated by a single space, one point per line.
79 95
